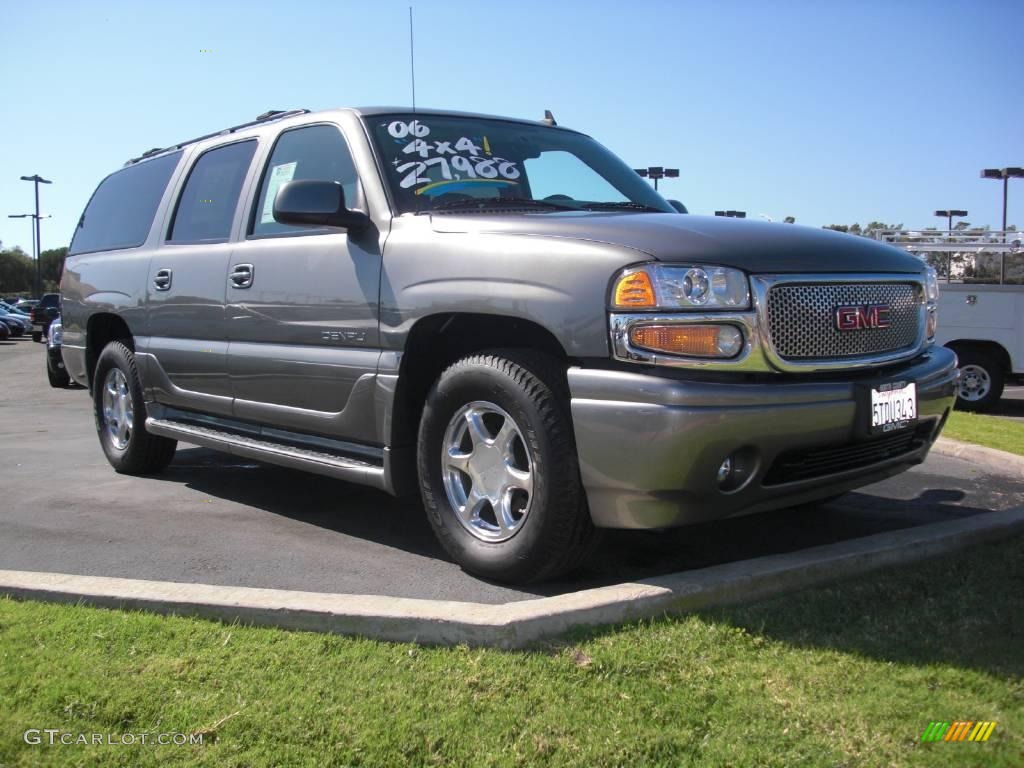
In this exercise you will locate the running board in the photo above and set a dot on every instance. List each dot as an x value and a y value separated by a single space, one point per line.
322 463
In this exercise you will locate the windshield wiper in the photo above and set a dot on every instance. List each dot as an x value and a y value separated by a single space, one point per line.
486 204
627 205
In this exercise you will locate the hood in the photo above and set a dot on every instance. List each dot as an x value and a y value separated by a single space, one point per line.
755 246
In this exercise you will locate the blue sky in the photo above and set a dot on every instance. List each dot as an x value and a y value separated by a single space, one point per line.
826 111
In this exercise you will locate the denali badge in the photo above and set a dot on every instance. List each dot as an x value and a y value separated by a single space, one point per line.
862 317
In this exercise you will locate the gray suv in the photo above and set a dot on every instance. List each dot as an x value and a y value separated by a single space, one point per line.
500 314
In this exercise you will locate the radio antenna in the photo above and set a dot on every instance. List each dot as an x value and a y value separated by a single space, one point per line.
412 62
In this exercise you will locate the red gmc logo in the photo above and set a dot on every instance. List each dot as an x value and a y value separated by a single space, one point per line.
862 317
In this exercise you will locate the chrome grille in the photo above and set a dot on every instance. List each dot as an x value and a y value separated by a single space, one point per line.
801 319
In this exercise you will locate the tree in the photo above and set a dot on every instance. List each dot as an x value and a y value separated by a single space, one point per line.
51 267
16 272
789 220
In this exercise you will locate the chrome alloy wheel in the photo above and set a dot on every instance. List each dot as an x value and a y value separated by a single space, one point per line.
975 383
118 412
487 471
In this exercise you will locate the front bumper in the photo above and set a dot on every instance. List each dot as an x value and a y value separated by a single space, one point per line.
650 446
54 357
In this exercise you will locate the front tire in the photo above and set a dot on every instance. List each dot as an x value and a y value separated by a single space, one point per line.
121 416
498 469
981 381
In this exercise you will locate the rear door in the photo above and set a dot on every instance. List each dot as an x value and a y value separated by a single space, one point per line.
188 281
302 302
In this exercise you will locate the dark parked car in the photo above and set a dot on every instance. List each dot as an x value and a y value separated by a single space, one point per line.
5 332
44 313
10 306
55 370
16 325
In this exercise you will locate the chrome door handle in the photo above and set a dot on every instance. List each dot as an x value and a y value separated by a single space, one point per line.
162 279
241 275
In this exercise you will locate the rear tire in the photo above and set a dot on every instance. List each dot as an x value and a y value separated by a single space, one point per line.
120 413
981 381
523 440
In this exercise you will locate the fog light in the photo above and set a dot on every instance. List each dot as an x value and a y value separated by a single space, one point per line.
716 340
725 471
737 469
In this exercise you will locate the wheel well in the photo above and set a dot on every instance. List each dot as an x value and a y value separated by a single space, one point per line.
437 341
102 329
991 348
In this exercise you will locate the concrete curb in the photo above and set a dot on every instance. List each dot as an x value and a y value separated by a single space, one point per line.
518 624
1001 462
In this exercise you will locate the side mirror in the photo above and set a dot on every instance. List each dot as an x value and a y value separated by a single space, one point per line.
320 203
678 206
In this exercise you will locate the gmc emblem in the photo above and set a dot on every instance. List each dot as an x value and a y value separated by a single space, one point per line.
858 318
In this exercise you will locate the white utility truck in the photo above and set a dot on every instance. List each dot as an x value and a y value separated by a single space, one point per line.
981 305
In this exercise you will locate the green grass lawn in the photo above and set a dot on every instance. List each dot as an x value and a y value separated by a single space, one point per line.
845 675
995 432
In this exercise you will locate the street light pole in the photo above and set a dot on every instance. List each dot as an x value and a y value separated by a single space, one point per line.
657 172
1005 174
37 180
949 217
949 228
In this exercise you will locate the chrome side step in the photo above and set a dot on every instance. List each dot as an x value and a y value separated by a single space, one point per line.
310 460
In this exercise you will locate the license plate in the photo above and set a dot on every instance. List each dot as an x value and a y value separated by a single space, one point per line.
893 406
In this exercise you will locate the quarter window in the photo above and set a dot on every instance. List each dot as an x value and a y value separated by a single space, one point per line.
121 210
207 204
315 152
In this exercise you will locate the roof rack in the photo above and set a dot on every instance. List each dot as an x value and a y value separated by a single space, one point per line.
270 114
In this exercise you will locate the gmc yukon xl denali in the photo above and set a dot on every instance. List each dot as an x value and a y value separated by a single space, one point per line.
501 314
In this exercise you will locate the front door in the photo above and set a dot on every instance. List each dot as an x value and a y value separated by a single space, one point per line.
302 303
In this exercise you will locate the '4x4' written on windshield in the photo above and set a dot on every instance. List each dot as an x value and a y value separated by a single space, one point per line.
460 163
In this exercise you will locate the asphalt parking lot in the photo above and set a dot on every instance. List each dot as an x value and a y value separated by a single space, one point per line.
212 518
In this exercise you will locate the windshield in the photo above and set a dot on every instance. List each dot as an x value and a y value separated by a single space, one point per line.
447 163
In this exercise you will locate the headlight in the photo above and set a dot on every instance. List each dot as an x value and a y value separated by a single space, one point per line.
56 334
931 284
659 286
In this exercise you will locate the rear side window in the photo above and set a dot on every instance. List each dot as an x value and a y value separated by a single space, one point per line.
207 204
122 208
316 152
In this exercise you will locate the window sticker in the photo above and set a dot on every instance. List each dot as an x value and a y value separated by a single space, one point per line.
279 174
461 163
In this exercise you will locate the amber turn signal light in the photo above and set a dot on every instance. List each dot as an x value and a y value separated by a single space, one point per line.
689 340
635 291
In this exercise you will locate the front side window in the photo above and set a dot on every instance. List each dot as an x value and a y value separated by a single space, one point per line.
441 162
207 204
121 210
315 152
